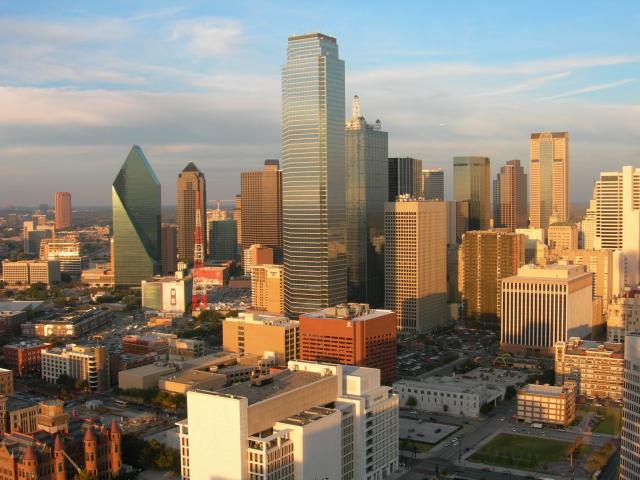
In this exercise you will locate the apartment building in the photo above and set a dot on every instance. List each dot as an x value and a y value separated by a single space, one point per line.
78 362
546 404
73 325
623 316
267 284
24 357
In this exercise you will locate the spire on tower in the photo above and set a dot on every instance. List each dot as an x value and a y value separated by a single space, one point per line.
355 107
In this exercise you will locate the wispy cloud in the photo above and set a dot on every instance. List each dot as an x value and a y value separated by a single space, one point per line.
209 37
591 88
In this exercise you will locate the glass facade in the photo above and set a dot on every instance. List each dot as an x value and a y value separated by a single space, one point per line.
224 240
313 180
471 182
136 221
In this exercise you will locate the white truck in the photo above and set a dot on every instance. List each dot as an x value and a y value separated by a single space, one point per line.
536 425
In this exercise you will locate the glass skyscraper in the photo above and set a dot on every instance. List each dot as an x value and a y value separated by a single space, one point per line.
313 180
136 221
366 157
471 182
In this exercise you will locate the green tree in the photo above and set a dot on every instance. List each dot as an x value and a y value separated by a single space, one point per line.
411 401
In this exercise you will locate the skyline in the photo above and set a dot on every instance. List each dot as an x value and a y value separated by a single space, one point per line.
201 83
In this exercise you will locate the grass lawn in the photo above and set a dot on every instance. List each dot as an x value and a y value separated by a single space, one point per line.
519 451
611 422
420 447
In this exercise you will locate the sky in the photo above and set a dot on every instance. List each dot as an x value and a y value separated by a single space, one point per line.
200 81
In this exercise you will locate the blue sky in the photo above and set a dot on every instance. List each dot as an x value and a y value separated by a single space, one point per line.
200 81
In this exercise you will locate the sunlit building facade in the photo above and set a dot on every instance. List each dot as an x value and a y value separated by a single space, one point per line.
191 185
512 208
471 182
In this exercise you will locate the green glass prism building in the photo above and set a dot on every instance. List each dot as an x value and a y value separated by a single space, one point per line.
136 221
313 177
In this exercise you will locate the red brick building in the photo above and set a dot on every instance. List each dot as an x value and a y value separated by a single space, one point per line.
351 334
143 344
24 358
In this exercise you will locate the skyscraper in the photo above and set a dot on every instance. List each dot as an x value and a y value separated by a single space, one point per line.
62 210
471 182
433 184
366 158
405 177
313 181
224 240
512 197
191 184
416 263
169 248
136 221
629 459
549 177
261 213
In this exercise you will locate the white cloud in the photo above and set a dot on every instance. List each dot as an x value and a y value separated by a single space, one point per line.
589 89
209 37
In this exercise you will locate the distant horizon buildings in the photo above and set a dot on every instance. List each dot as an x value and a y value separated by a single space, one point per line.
62 206
471 182
190 185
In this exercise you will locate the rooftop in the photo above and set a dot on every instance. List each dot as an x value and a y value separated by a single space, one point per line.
349 311
546 390
308 416
262 318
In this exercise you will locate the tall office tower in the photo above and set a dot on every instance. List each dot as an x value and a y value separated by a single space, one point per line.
267 288
542 306
588 227
313 178
512 209
415 260
617 218
471 183
495 203
366 149
136 221
405 177
213 215
549 177
224 242
432 184
457 221
256 254
629 458
487 258
169 248
236 214
190 184
261 214
62 207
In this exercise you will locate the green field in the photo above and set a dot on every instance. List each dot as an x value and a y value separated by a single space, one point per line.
420 447
611 422
519 451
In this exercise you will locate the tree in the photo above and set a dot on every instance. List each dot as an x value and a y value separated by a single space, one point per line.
65 277
411 401
445 407
81 384
65 382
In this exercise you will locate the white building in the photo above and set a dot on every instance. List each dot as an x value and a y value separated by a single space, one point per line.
310 421
623 316
452 395
78 362
170 294
629 456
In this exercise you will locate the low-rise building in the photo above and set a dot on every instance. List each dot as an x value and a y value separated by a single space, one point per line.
6 382
17 415
98 277
144 377
29 272
623 315
65 250
79 362
184 348
562 236
171 294
595 367
73 325
546 404
24 358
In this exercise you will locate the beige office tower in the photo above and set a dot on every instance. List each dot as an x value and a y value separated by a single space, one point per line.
261 212
267 285
416 263
588 227
487 258
236 215
471 183
62 210
629 459
512 211
191 184
549 177
562 236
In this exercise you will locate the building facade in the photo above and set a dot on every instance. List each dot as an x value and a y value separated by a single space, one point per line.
169 248
65 251
191 185
256 254
224 240
404 177
78 362
562 236
629 457
29 272
546 404
623 315
512 210
267 288
24 358
62 206
471 183
170 294
432 184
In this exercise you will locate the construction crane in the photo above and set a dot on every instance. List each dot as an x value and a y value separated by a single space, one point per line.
199 296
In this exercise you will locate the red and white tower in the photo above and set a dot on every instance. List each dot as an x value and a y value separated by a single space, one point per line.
199 296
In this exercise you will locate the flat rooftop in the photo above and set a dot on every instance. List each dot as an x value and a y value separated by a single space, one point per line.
307 416
351 311
191 377
546 390
279 383
151 369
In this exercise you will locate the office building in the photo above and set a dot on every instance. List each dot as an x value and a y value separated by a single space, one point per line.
595 368
65 251
535 250
351 334
512 209
191 191
366 157
74 324
90 364
629 457
432 184
213 215
256 254
471 183
544 305
29 272
6 382
24 358
309 421
17 414
404 178
562 236
416 263
262 335
486 257
313 177
267 288
623 315
101 277
457 221
34 231
546 404
224 240
261 213
169 248
236 214
62 205
588 227
136 221
170 294
549 177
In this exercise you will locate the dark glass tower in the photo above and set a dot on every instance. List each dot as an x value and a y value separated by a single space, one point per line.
136 221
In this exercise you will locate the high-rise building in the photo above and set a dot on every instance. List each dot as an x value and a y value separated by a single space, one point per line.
512 208
405 177
314 171
261 213
562 236
169 248
136 221
213 215
416 263
236 214
65 250
549 177
457 221
432 184
486 258
62 207
623 315
471 182
267 288
310 421
588 227
224 240
629 458
256 254
190 185
542 306
366 157
351 334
